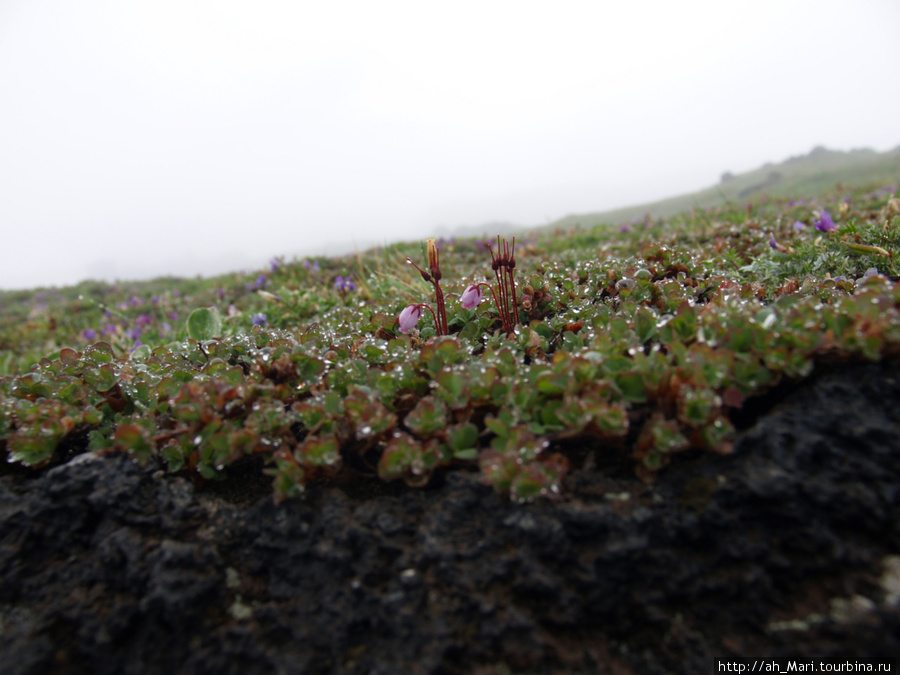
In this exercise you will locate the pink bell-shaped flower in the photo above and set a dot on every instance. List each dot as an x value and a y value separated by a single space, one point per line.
471 297
409 317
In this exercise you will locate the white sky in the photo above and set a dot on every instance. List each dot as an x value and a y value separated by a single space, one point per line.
148 137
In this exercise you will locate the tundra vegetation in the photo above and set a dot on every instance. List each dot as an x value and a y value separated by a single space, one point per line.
647 339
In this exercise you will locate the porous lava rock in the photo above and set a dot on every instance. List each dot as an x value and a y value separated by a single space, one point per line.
786 548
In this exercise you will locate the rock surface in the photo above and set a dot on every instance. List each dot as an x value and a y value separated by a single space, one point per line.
788 547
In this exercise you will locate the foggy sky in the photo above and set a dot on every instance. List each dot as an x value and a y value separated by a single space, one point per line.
147 137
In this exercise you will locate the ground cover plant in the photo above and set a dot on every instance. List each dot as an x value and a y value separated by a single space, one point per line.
497 357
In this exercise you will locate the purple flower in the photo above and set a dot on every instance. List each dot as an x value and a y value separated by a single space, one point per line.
344 283
825 223
89 334
471 297
260 281
625 228
260 320
799 225
409 318
274 264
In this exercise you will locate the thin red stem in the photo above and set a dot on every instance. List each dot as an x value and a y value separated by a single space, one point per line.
496 302
441 319
503 264
436 324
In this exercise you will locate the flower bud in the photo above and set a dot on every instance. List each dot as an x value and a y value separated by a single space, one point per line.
425 275
434 264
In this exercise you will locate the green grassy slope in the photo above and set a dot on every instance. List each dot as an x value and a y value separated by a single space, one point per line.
802 177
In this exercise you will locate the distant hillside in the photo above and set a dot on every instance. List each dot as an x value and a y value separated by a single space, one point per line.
804 176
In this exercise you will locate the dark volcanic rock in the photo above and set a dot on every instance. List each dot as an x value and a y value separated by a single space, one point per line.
788 547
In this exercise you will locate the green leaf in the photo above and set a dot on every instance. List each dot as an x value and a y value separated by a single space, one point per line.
135 441
174 457
496 426
320 452
552 383
609 420
332 404
666 436
309 369
31 451
97 441
451 388
462 438
616 363
427 418
101 379
204 324
644 324
697 406
289 481
632 386
406 458
100 353
526 486
685 322
140 353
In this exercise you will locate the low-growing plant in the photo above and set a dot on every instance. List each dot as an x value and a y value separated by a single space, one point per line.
646 340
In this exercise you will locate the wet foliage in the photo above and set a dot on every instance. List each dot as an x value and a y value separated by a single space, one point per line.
644 340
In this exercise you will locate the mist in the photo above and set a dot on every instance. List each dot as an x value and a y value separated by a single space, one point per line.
141 139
